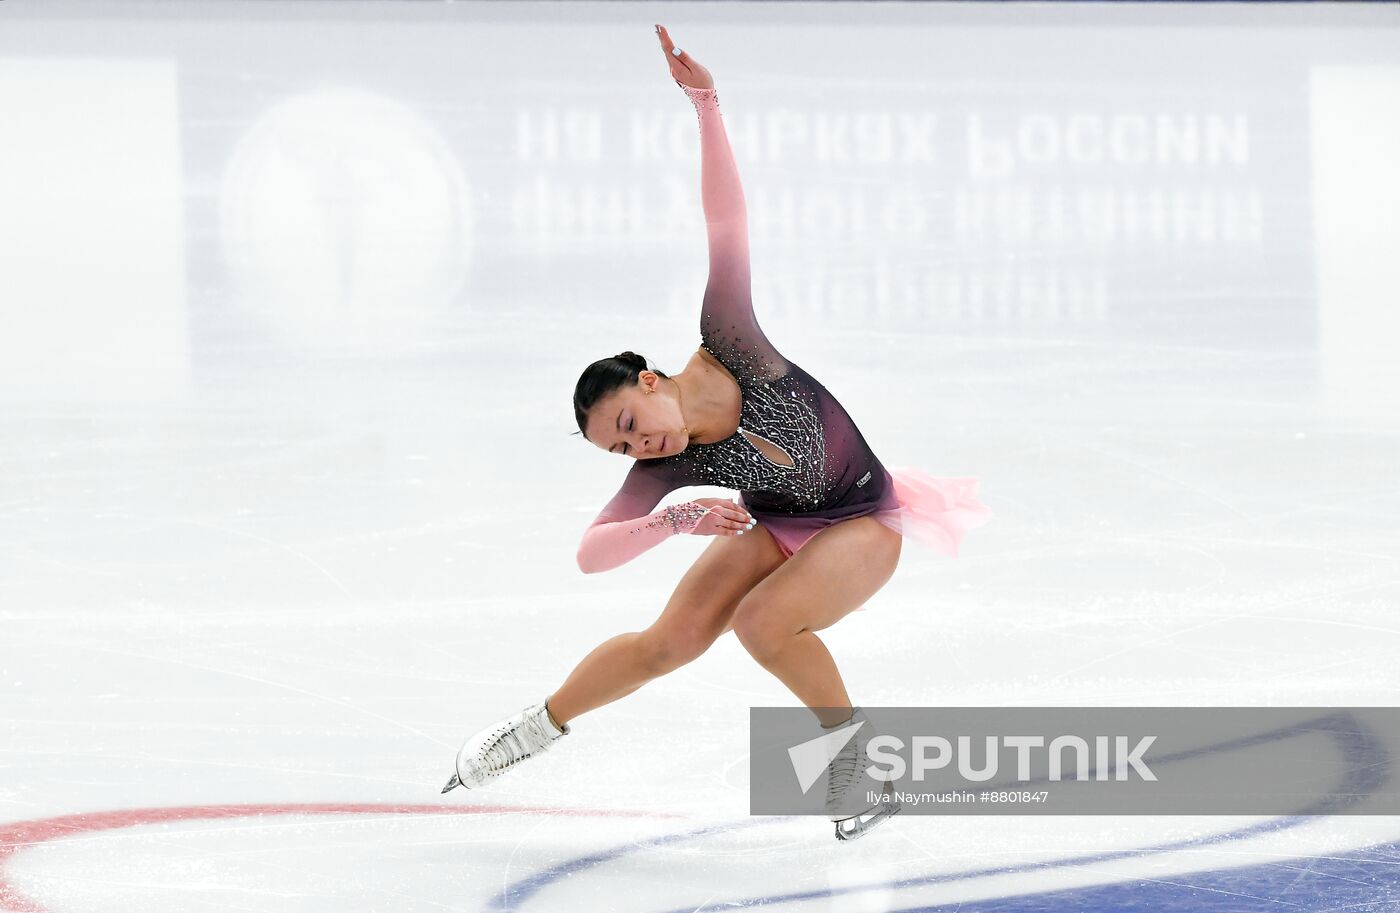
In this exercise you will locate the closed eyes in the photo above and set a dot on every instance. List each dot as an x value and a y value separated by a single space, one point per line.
631 423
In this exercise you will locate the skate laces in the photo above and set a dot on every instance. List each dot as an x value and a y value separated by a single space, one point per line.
844 768
516 743
846 765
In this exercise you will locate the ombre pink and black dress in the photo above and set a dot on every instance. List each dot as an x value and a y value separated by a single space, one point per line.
833 474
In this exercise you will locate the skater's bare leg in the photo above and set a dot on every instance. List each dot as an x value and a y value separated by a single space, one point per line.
699 611
833 574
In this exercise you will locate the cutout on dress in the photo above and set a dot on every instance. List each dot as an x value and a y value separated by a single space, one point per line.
777 456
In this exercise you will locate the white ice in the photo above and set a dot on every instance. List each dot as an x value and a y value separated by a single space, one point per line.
294 297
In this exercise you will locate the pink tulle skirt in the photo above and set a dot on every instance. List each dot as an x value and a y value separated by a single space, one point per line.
934 511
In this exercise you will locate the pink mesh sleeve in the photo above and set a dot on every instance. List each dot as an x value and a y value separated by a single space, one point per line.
624 528
728 325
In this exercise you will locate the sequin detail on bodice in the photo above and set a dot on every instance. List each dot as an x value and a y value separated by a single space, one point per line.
782 412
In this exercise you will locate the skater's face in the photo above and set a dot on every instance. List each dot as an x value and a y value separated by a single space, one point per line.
642 421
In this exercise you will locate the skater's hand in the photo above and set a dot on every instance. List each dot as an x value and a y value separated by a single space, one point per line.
722 518
684 69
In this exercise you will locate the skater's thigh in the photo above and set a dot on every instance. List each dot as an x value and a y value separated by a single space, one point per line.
704 601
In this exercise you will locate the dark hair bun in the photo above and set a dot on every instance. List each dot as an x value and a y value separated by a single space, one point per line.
604 377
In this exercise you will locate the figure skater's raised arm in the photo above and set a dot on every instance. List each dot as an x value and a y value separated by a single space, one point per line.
727 320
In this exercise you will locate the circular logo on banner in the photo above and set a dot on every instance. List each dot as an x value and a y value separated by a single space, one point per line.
345 221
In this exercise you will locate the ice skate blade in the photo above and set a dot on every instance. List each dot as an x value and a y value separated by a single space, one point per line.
452 784
864 823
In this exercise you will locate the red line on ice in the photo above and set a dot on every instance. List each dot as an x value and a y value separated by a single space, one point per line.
18 835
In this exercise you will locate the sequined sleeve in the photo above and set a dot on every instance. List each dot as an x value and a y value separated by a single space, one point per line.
728 326
625 528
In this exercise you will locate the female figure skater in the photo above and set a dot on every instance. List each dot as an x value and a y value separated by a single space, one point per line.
825 517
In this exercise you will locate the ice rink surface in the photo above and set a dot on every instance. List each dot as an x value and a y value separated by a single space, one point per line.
295 297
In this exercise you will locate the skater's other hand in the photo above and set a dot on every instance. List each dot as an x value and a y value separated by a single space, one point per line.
685 69
722 518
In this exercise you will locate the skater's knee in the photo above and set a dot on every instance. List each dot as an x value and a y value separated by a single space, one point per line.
668 648
762 633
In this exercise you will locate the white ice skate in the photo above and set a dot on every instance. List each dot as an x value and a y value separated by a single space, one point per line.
847 802
500 747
